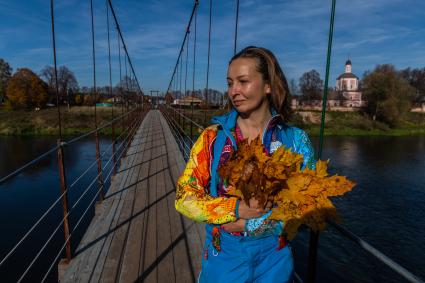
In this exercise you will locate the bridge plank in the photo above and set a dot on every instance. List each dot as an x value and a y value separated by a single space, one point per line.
149 269
131 260
136 234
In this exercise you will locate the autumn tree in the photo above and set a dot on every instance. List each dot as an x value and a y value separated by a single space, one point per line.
5 74
311 85
67 83
25 90
388 94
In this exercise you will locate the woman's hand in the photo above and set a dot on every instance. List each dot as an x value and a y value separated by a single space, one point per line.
233 227
253 210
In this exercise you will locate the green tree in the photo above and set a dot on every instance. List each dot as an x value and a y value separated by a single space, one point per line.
388 94
311 85
5 74
416 78
26 90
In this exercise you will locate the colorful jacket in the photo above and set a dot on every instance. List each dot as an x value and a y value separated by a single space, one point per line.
194 198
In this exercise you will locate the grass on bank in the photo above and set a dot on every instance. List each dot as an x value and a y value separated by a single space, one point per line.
337 123
80 119
74 121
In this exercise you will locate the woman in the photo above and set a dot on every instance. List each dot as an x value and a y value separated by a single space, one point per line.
241 244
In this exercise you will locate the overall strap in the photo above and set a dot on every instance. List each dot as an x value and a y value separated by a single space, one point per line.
218 148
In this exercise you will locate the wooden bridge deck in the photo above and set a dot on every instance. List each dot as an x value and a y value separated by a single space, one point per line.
136 234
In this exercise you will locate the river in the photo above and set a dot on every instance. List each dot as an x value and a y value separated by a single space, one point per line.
386 208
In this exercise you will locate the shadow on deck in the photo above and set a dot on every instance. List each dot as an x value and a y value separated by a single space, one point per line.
136 234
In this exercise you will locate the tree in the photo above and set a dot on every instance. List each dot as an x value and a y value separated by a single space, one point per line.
388 94
416 78
67 83
26 90
128 84
311 85
5 74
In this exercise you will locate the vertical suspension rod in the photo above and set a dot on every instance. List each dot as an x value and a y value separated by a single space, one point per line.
208 65
52 16
99 162
236 27
193 78
314 236
60 155
110 92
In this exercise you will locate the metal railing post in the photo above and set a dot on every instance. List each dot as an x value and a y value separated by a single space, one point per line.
114 142
64 198
99 167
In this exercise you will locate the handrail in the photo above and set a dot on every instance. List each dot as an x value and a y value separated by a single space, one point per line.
133 126
187 118
100 128
84 213
28 164
409 276
53 149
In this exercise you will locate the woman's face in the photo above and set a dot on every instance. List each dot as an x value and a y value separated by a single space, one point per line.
246 87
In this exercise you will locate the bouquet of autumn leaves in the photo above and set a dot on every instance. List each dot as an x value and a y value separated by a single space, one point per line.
300 196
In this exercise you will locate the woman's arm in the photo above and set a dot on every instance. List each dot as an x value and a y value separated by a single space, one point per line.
192 199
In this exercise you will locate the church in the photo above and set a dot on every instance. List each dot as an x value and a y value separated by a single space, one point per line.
346 96
347 88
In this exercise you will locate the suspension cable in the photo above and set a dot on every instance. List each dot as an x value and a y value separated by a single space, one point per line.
184 40
124 46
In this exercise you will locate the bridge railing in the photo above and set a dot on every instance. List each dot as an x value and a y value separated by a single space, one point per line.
182 127
81 188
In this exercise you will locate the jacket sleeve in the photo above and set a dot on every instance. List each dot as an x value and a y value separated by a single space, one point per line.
304 147
192 199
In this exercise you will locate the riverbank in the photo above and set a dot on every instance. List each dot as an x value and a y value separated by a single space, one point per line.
74 121
358 124
78 120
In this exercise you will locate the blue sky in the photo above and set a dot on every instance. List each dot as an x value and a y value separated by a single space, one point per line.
371 32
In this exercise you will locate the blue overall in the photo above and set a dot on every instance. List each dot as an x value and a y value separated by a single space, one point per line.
245 259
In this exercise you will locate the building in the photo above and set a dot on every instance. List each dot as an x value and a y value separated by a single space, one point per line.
187 101
347 87
345 97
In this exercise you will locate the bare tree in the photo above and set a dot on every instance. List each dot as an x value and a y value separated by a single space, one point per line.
67 83
311 85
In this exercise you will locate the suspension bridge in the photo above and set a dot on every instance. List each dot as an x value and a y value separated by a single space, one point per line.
135 233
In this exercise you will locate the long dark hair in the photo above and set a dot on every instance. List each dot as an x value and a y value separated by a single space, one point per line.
269 68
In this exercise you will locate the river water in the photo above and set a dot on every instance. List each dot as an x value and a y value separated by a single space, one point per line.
386 208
